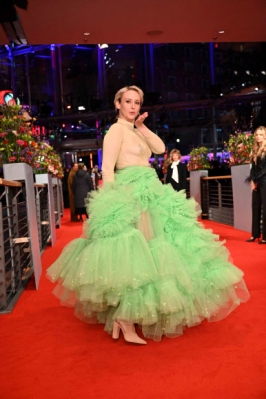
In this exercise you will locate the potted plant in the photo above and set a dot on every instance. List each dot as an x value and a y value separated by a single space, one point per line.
198 159
239 146
198 166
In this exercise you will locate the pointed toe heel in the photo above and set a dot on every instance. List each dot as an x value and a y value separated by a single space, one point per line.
129 332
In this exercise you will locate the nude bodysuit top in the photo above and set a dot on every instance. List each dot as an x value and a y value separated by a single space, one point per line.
125 146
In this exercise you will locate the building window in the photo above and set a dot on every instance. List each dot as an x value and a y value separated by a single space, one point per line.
188 52
204 68
205 113
206 136
172 49
189 67
172 96
190 96
204 54
189 83
171 82
205 84
173 114
171 65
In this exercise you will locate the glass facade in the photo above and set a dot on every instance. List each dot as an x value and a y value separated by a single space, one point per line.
195 93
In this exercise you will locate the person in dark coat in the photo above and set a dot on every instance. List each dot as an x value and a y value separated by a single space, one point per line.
257 180
81 185
176 171
70 191
65 188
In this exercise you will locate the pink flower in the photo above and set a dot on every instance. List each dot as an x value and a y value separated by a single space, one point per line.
12 159
3 134
20 142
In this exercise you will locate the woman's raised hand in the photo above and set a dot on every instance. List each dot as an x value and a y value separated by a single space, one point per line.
139 121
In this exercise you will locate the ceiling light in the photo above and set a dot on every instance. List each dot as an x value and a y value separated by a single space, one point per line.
263 72
101 46
86 33
248 72
221 31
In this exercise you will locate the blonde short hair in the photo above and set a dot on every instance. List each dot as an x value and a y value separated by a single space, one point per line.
122 91
174 151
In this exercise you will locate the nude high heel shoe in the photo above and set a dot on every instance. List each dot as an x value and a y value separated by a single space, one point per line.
129 332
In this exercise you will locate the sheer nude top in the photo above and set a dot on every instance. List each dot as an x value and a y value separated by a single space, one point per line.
125 146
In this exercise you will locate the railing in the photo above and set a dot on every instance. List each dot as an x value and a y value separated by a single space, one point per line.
15 250
217 199
43 221
17 253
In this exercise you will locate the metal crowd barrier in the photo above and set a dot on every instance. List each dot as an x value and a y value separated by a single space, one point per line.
15 247
217 199
43 220
17 253
57 201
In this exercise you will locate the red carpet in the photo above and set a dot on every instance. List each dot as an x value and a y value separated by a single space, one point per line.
46 352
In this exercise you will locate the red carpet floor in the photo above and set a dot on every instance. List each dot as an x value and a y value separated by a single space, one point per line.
46 352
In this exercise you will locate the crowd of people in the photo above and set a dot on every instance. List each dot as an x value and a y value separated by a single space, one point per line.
77 182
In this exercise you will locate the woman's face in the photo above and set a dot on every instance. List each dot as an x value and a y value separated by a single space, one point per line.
129 106
175 157
260 136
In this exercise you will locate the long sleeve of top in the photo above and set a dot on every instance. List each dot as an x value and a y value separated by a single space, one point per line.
125 146
258 171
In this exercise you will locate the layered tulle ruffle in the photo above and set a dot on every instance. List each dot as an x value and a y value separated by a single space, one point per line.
145 258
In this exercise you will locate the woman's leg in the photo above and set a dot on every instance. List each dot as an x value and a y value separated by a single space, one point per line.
256 213
263 202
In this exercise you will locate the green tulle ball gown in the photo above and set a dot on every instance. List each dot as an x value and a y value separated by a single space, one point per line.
145 258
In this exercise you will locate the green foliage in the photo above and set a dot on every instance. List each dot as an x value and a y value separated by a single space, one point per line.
199 159
239 146
18 143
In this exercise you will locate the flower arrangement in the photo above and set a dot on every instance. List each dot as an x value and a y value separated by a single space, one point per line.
18 144
239 146
48 161
198 159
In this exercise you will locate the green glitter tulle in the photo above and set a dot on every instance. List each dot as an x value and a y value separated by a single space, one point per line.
145 258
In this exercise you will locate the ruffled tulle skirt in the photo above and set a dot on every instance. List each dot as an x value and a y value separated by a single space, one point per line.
145 258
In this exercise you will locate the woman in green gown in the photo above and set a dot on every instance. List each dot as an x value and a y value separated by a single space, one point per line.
145 258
